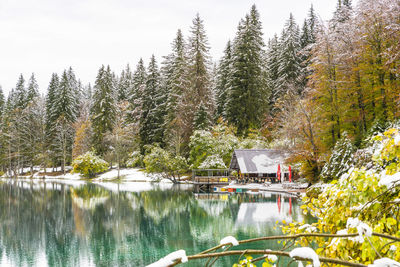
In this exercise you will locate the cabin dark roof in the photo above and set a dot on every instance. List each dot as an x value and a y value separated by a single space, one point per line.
257 160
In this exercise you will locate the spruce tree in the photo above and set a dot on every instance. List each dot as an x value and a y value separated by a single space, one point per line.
20 93
135 97
247 97
153 107
2 104
177 85
65 100
199 70
223 77
289 58
272 64
125 85
63 115
103 109
201 118
32 90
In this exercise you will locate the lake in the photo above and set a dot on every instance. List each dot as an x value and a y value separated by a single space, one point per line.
135 224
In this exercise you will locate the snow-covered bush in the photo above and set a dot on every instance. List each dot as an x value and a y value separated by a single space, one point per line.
213 162
164 163
360 202
135 160
89 164
340 161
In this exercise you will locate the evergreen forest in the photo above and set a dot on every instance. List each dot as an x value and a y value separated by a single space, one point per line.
314 89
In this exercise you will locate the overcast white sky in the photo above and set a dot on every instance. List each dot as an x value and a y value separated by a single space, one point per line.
46 36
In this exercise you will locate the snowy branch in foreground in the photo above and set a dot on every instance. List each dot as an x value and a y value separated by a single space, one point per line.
306 253
170 259
229 240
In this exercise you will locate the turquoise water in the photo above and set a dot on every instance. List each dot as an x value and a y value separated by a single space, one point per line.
56 224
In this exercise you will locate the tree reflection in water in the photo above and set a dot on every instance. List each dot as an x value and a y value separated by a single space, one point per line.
59 225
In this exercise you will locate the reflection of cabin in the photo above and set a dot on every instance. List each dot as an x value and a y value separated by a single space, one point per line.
259 165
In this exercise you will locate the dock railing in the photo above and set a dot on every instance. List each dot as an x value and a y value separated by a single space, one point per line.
211 176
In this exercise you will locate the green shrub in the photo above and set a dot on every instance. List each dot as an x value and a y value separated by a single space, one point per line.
162 162
89 164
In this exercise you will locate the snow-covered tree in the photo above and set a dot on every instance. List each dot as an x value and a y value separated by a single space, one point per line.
272 65
125 84
135 97
20 93
199 71
33 89
340 161
247 96
223 79
2 103
153 107
289 57
177 84
103 108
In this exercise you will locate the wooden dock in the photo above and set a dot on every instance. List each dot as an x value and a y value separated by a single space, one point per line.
205 179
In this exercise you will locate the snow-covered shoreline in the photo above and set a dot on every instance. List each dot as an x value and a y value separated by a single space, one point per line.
126 175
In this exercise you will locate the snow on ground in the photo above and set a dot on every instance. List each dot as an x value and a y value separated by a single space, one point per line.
126 175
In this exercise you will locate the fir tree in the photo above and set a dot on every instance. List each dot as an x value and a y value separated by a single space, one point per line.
199 70
125 85
247 97
153 107
63 114
289 57
201 118
223 77
20 93
272 64
136 94
103 108
32 90
65 103
307 39
50 102
2 104
177 85
340 161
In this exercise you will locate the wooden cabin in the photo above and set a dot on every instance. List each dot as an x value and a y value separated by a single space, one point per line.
259 165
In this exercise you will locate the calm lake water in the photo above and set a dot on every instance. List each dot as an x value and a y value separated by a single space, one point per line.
55 224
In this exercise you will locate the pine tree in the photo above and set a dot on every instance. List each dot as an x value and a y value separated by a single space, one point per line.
224 72
153 107
103 109
247 97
